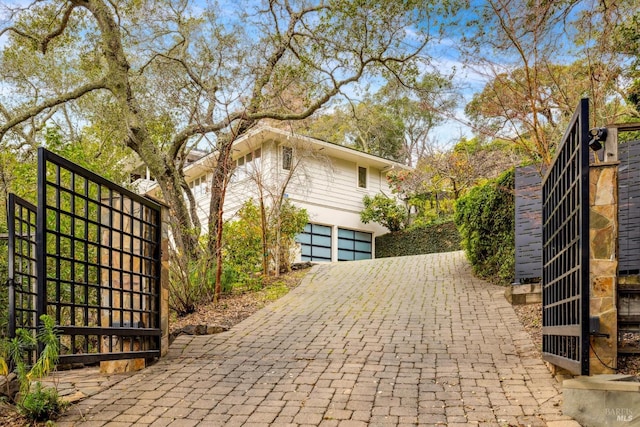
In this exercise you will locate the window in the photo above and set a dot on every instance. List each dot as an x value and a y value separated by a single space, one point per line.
287 158
245 165
362 177
200 185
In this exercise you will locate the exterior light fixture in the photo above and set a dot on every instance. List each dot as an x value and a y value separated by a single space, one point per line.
598 135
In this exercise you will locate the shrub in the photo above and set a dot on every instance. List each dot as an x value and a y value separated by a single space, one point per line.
283 231
36 403
42 404
424 239
485 219
191 282
385 211
243 239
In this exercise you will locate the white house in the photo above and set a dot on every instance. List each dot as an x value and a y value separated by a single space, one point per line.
326 179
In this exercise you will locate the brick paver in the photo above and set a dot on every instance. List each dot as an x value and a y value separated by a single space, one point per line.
398 341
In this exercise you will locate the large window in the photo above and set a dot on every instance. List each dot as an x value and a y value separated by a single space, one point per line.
362 177
315 242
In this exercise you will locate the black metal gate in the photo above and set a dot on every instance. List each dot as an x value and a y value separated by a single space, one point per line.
97 264
21 222
565 219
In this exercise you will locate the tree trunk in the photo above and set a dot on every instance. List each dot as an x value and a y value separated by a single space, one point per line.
263 226
216 210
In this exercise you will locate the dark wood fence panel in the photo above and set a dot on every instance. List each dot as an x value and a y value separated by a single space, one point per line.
629 208
528 236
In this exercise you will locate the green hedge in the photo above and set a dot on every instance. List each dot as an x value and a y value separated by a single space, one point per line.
485 218
420 240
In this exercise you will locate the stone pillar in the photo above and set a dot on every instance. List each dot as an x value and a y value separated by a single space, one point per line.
603 241
164 281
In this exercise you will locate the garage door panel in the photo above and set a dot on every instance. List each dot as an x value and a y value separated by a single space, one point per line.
324 241
354 245
364 237
315 243
363 247
318 252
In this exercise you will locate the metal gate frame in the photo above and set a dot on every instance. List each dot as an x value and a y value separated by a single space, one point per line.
97 264
565 218
21 224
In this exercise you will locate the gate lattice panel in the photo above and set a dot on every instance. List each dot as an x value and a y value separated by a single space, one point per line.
565 216
21 221
88 256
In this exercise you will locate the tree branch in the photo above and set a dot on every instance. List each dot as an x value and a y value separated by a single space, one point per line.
18 32
44 43
50 103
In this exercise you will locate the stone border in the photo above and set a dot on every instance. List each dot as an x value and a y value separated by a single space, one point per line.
197 330
524 294
603 400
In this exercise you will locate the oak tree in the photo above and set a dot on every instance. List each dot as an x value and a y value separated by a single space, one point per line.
161 77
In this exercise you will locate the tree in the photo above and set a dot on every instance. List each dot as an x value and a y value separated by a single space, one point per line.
385 211
626 41
606 38
368 126
419 109
444 175
530 95
393 123
159 78
280 220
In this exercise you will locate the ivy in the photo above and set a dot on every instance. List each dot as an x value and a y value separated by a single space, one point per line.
485 220
426 239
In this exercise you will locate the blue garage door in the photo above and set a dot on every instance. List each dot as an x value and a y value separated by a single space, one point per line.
315 243
353 245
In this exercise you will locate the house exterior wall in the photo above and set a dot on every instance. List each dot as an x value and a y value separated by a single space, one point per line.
326 186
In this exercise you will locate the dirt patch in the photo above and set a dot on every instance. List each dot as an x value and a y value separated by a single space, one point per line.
234 308
531 319
10 417
530 316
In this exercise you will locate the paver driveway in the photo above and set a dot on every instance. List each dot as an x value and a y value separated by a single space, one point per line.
396 341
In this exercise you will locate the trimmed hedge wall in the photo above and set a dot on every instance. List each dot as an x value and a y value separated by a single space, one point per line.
420 240
486 218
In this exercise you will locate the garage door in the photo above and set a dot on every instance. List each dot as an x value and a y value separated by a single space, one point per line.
353 245
315 242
